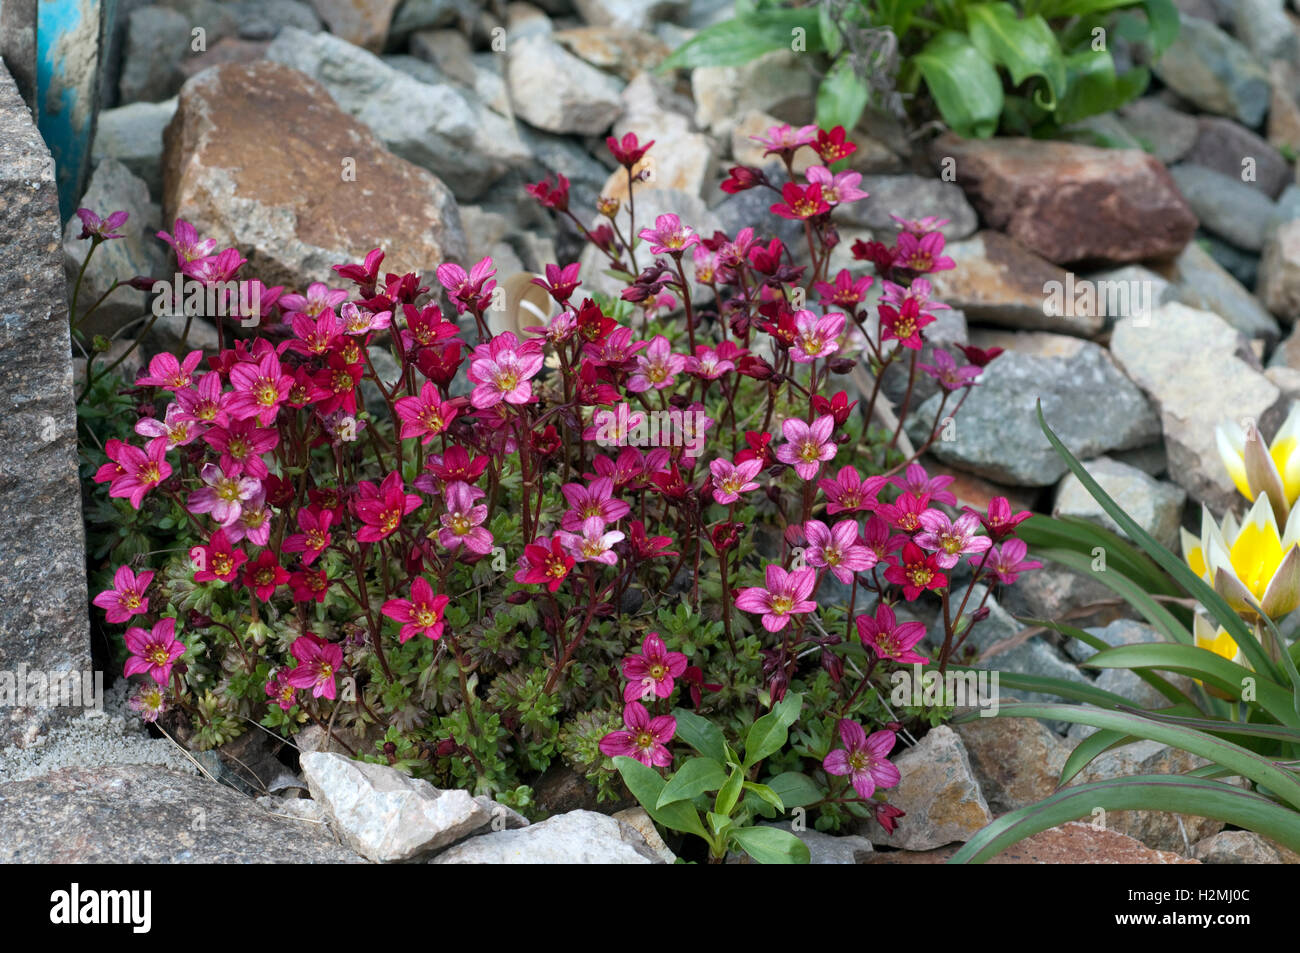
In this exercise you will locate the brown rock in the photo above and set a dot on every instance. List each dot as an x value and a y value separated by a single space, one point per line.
229 49
1072 202
621 52
938 792
1279 271
1283 110
1226 147
293 210
1159 829
1242 847
999 281
1072 843
362 23
1018 761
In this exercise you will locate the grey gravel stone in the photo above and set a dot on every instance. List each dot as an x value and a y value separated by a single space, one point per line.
1212 70
1091 405
938 792
132 135
553 90
909 197
1198 371
1226 206
1201 282
157 39
384 815
578 837
1154 505
43 600
1228 147
1166 133
445 129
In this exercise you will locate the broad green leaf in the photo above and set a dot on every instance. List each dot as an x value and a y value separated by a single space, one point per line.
796 789
1193 584
1205 665
1094 88
1165 24
1026 46
646 785
964 84
717 822
729 793
768 734
1245 762
770 845
767 794
693 778
841 97
744 39
701 734
1158 792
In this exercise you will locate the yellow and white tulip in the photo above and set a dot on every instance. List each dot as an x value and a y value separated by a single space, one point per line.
1252 565
1257 469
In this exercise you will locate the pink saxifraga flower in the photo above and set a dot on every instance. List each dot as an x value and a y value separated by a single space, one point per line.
783 595
951 539
155 651
593 501
807 446
419 615
503 369
815 337
318 664
651 674
837 549
863 759
223 495
889 639
461 523
730 480
644 738
126 598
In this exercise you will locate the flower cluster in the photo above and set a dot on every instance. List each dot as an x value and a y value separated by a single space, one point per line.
701 456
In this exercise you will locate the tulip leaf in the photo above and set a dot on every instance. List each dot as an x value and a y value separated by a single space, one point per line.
841 97
1048 685
1246 763
1205 665
1193 584
1163 686
745 38
1158 792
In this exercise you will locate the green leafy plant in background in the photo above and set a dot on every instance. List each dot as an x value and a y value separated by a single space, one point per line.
1028 67
716 782
1248 728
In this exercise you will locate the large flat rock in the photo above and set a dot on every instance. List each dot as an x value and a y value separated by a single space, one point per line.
44 618
133 814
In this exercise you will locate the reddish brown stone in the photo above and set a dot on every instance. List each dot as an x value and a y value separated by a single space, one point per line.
1072 843
229 49
1072 203
257 157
